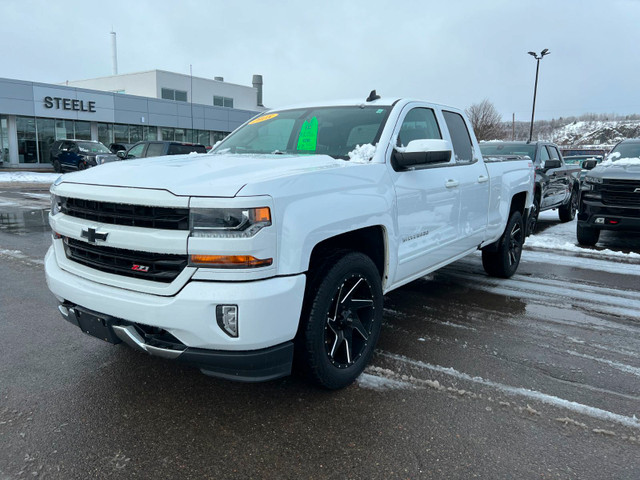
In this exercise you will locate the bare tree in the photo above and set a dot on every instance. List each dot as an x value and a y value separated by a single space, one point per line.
486 120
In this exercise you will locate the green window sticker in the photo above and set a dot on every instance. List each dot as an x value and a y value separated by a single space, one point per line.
308 135
380 110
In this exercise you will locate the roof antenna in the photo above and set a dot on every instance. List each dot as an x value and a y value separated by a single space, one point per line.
373 96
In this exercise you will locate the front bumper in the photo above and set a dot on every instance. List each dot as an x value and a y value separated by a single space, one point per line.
612 217
268 314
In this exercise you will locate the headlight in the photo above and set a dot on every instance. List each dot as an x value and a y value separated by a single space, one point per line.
228 222
56 204
589 179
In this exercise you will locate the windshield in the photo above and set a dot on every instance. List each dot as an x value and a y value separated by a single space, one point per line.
489 149
333 131
625 150
92 147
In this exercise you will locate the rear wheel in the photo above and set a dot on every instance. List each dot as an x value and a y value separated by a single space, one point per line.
587 236
341 320
568 212
532 219
505 260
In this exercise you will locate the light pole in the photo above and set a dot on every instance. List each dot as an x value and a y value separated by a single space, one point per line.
535 88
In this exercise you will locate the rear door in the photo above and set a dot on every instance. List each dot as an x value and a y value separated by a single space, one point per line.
137 151
428 207
472 178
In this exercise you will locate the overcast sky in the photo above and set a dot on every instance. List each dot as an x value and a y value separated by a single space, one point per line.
452 52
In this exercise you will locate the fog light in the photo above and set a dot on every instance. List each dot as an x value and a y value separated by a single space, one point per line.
227 317
599 220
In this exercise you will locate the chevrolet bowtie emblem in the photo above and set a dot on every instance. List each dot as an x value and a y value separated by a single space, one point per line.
91 235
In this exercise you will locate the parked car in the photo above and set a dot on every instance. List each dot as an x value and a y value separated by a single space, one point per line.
610 194
69 155
284 238
158 148
579 160
557 184
116 147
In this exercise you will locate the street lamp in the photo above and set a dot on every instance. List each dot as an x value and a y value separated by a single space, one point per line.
535 88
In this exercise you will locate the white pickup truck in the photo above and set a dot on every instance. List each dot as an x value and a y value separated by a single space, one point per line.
281 243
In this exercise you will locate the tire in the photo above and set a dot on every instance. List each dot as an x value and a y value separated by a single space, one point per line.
57 167
587 236
532 219
341 322
504 261
82 166
568 212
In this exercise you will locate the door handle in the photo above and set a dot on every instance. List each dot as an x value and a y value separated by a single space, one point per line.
451 183
483 178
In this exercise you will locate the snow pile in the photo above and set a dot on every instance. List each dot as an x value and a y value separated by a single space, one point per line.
362 153
552 242
596 132
28 177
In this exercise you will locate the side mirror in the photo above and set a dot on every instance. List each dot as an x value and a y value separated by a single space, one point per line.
122 154
589 164
421 152
552 163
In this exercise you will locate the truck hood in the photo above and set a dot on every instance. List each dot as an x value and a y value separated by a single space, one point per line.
201 175
624 168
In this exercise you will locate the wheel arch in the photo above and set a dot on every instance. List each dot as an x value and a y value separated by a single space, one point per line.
371 241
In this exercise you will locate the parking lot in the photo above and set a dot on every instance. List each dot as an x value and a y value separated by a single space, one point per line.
536 376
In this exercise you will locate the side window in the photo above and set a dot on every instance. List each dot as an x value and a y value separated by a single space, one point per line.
553 152
460 138
420 123
544 155
155 149
136 151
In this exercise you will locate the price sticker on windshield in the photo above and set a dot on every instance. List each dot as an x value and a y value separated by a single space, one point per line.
263 118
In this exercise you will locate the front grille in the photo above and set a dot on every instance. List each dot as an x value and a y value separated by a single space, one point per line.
160 267
127 214
621 192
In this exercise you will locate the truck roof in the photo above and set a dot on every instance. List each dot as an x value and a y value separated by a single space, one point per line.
383 102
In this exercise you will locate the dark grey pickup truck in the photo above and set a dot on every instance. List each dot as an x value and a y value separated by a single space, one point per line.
610 194
557 184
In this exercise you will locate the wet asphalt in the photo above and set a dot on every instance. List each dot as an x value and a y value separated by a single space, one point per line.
537 376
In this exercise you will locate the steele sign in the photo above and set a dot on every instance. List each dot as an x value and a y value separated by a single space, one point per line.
60 103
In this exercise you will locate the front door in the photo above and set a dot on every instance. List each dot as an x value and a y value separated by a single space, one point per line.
428 201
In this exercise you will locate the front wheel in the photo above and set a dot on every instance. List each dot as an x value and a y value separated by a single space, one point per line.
568 212
587 236
57 167
532 219
504 261
343 320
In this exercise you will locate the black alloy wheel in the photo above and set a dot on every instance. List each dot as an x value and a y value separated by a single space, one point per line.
568 212
57 167
532 219
349 321
341 319
82 165
502 259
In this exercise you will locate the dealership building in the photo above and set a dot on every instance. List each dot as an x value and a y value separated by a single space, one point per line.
153 105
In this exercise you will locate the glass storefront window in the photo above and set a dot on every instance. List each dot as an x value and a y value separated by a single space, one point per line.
4 140
168 133
82 130
46 130
121 133
27 145
150 133
135 133
105 133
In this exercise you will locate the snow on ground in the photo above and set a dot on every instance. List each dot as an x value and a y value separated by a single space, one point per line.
562 237
28 177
